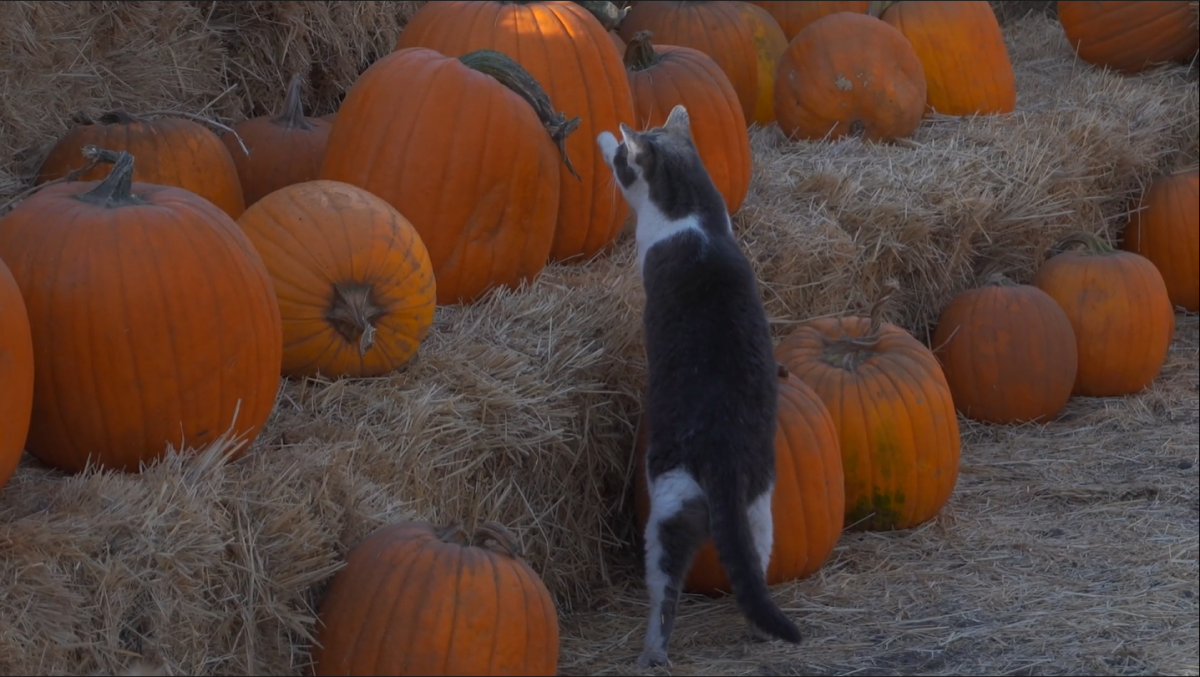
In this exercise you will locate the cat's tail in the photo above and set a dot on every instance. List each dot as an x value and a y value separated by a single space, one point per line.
734 542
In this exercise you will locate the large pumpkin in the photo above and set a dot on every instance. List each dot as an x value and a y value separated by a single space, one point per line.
566 49
153 320
849 74
807 505
1130 36
280 149
462 156
353 279
1120 310
171 151
664 76
769 44
793 16
718 28
414 599
16 374
894 415
1165 228
961 48
1008 352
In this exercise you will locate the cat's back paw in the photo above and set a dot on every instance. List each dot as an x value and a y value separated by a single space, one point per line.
652 658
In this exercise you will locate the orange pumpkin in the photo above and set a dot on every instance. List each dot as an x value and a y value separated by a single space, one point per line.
283 149
1008 352
1130 36
152 315
719 29
352 277
567 50
967 69
418 600
894 415
849 74
770 44
171 151
16 374
793 16
1165 228
467 162
663 76
1119 308
808 502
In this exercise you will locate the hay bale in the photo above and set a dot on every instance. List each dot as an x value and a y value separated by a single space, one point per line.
1008 11
520 408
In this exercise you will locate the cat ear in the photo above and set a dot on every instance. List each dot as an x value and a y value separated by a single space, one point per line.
633 144
678 122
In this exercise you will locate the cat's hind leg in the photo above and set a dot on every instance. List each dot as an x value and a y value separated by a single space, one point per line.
675 529
762 530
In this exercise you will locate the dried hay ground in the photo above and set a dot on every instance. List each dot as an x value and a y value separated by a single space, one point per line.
520 409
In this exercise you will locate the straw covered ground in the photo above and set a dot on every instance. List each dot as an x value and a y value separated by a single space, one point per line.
1066 548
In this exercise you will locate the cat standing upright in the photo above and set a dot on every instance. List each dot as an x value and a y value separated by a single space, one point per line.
712 384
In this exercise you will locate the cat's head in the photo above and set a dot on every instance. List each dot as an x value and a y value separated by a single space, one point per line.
640 161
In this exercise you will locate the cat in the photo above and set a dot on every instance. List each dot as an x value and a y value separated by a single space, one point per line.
712 388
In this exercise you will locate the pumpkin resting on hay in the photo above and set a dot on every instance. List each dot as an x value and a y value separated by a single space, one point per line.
353 279
418 600
808 503
1165 228
152 316
16 374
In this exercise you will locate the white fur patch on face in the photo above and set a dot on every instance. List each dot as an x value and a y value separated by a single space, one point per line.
608 146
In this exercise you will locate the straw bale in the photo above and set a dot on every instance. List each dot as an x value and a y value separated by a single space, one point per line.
520 408
1012 10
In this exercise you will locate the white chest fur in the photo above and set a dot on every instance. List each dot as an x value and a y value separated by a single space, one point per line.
653 227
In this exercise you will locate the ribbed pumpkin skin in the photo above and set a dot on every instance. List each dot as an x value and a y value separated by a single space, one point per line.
961 48
716 28
330 246
169 151
1121 313
1129 36
16 374
689 77
793 16
409 603
808 503
849 74
483 192
153 324
568 52
770 44
894 415
1008 353
1167 231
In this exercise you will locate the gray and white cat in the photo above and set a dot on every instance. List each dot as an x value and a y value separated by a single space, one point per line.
712 383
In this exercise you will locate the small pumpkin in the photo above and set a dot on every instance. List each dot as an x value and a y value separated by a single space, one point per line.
893 411
849 74
152 315
808 502
1165 228
467 162
1120 310
1008 352
171 151
961 48
770 44
282 149
1130 36
793 16
414 599
663 76
719 29
566 50
353 279
16 374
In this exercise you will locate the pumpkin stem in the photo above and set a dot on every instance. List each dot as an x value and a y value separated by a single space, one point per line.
452 533
639 52
782 370
292 115
1092 243
848 352
607 13
509 73
116 190
496 532
353 314
876 8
